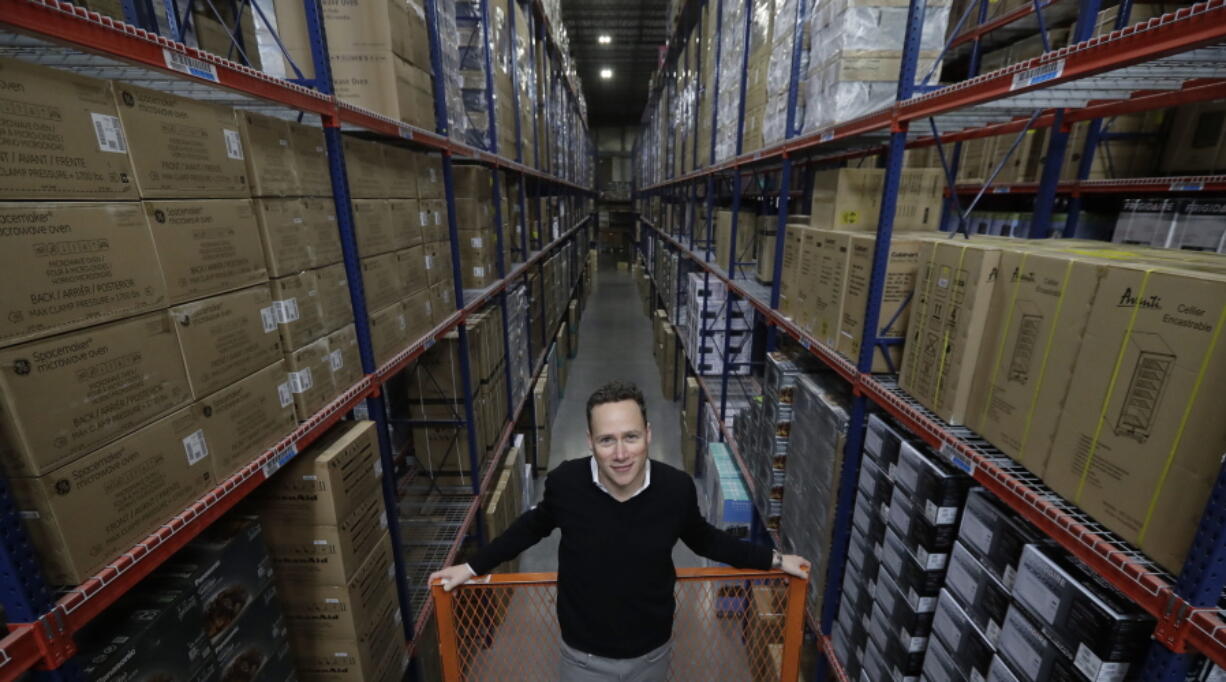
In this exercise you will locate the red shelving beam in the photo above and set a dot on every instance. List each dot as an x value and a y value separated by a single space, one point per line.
1171 185
1204 630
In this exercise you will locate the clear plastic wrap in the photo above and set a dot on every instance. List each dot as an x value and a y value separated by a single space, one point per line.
731 67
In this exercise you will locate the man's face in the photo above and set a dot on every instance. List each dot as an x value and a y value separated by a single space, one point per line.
619 438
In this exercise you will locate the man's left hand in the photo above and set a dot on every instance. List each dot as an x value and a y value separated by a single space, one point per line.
795 565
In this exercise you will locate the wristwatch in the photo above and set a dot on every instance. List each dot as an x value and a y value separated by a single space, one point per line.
776 560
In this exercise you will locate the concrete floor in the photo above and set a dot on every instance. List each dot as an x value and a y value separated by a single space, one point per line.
615 342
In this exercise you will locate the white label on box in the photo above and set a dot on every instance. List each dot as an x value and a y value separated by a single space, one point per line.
438 217
340 654
479 271
399 618
286 310
283 142
331 600
403 324
422 217
917 644
429 262
234 144
391 570
1010 576
319 542
1094 668
300 381
940 516
109 132
378 469
285 395
336 360
976 532
29 514
189 65
477 242
195 447
1039 74
383 519
268 316
297 220
310 477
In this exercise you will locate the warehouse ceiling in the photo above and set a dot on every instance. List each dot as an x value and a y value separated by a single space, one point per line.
636 29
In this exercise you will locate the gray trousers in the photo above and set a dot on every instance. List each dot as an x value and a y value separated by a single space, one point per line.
577 666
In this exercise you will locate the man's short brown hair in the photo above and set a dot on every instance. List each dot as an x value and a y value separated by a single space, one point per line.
615 392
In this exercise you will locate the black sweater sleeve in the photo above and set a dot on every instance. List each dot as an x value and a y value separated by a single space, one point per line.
708 541
531 526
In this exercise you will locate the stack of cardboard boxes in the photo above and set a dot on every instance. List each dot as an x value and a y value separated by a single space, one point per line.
332 559
718 331
226 29
379 53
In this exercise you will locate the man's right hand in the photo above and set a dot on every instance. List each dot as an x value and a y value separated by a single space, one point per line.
453 576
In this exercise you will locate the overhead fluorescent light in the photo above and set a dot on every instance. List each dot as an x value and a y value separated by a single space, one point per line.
606 73
604 39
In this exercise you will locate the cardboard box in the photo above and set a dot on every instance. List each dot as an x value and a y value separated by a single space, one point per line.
473 182
381 657
400 165
1037 322
344 360
257 641
419 314
745 234
389 332
206 246
327 480
373 225
310 159
1145 381
244 419
850 198
325 554
895 299
296 303
381 281
185 148
348 611
825 253
365 167
335 304
227 337
790 281
432 215
430 175
269 154
952 302
406 215
321 219
83 514
80 150
68 395
310 376
1197 142
149 630
71 265
289 234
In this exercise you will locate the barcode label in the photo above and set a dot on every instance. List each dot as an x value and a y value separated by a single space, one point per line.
190 65
109 132
195 447
284 394
1177 186
319 542
422 217
403 324
268 316
383 519
378 467
234 144
479 271
336 360
429 262
283 142
286 310
279 460
1039 74
300 381
477 242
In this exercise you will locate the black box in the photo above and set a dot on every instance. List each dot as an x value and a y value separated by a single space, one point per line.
996 535
227 565
849 654
984 599
869 519
153 633
918 586
1030 655
929 544
902 622
855 624
256 648
965 642
1001 672
881 443
937 490
899 659
874 484
857 596
873 665
940 666
863 555
1083 615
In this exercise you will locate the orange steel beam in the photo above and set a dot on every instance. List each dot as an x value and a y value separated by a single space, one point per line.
449 649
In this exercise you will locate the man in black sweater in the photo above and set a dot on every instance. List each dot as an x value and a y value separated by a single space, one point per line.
620 515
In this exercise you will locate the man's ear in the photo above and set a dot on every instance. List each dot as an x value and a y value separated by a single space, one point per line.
649 434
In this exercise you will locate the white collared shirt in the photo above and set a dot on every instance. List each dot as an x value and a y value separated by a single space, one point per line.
646 478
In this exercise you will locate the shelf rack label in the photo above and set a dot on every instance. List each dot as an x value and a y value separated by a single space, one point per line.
951 454
273 465
1187 187
1039 74
190 65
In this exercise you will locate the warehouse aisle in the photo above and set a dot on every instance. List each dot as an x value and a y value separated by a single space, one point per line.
615 342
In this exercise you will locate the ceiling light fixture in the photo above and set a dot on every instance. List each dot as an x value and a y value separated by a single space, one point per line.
604 39
606 73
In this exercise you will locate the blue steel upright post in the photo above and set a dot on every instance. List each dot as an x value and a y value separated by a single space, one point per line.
357 295
864 363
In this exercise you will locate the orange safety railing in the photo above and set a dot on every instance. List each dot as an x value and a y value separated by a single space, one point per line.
730 624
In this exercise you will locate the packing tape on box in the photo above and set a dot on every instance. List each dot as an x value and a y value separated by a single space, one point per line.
1183 421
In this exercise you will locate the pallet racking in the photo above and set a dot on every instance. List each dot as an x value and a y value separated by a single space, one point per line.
41 621
1165 61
